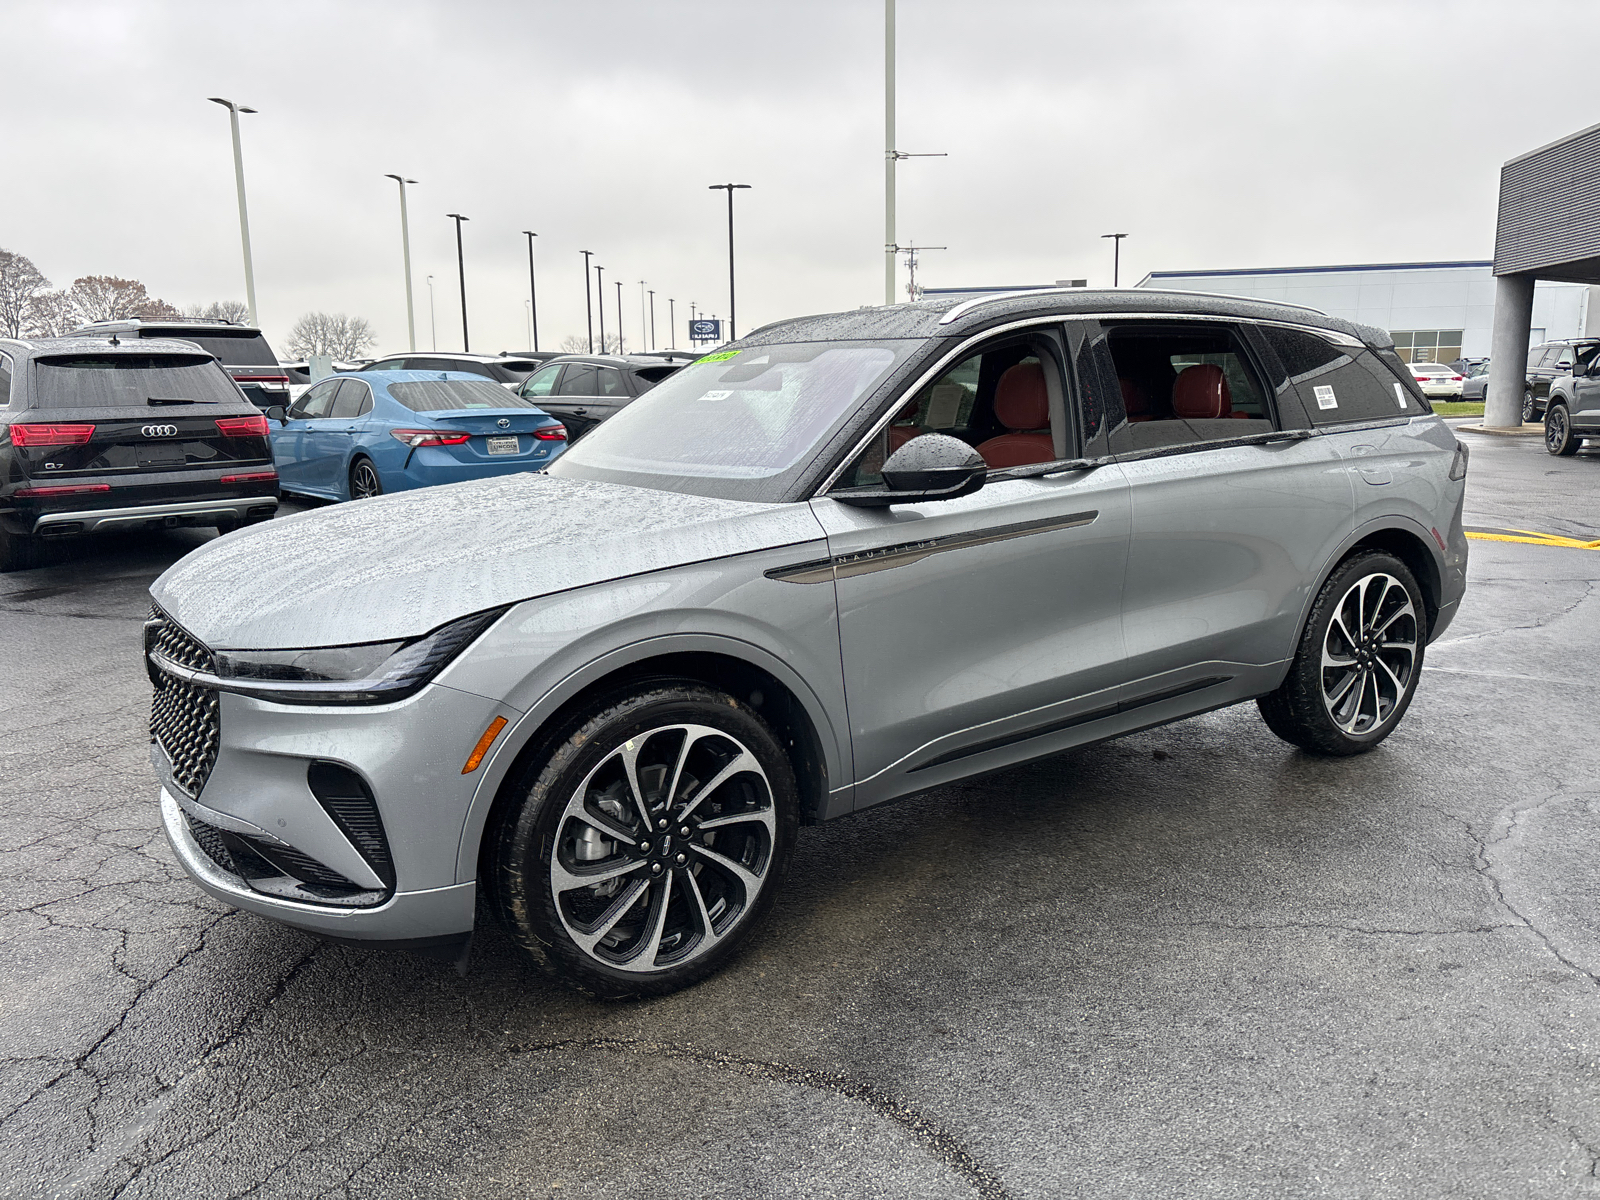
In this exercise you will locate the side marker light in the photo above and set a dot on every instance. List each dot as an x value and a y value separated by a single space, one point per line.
482 748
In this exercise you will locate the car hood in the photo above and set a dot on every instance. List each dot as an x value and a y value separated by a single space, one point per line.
397 566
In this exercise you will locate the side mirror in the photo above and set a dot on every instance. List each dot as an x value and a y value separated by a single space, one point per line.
931 467
278 413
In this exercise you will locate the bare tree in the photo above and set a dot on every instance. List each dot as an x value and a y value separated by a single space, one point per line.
20 282
52 314
236 311
333 334
578 344
109 298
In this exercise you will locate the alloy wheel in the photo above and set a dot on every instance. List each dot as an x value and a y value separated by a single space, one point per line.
364 481
1555 429
1369 653
663 848
1528 412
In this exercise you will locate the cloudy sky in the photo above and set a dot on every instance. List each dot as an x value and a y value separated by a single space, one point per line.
1222 133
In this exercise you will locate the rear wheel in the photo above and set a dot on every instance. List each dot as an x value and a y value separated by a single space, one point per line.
1358 661
364 481
648 845
1528 410
1558 436
18 551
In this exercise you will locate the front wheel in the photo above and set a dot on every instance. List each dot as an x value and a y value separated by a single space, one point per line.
1528 410
1558 436
1358 661
645 849
364 481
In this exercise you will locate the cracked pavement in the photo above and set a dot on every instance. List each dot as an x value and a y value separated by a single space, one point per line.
1193 962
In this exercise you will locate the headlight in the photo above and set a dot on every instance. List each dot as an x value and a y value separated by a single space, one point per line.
372 673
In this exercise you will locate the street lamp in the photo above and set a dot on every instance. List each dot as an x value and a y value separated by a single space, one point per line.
533 292
672 323
461 266
1116 254
644 326
433 328
652 318
588 304
600 290
244 214
729 188
619 317
405 250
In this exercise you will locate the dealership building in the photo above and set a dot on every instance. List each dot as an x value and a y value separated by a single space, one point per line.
1437 311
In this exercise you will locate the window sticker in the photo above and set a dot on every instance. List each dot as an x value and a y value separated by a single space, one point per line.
1400 395
1325 396
944 404
709 358
717 395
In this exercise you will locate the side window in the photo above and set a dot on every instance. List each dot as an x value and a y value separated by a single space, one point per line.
1339 383
1183 384
1006 401
1564 359
578 381
540 382
315 402
610 383
5 380
354 398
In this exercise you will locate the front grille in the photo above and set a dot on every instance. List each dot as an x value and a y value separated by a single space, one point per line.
185 720
261 863
209 839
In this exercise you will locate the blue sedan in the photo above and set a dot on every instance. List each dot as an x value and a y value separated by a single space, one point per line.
368 432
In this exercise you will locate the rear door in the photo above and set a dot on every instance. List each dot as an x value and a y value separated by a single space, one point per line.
1236 507
587 394
330 439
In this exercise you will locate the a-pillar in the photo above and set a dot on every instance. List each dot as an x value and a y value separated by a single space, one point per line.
1508 351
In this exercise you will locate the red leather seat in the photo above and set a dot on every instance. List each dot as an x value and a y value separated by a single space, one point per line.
900 434
1022 405
1134 401
1201 393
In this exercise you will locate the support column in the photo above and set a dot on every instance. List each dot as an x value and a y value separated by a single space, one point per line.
1508 351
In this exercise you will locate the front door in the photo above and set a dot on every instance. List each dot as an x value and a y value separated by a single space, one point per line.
292 452
974 628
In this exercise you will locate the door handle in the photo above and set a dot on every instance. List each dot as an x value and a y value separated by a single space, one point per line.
578 412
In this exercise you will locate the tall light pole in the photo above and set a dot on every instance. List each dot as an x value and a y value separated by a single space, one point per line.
889 160
672 323
644 327
730 188
461 267
600 290
588 304
244 213
433 328
652 318
1116 254
405 251
533 292
529 307
620 347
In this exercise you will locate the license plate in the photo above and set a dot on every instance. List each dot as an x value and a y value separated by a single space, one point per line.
504 445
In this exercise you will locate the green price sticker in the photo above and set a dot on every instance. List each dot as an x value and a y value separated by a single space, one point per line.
723 357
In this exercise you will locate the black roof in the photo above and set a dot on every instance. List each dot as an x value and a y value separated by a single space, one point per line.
97 344
951 316
634 361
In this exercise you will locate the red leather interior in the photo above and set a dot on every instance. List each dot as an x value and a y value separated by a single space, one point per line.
1022 405
900 433
1201 393
1134 401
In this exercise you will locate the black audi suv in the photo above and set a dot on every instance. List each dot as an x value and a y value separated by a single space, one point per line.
103 434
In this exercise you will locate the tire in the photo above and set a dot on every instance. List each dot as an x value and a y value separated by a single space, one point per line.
19 552
364 482
1529 411
666 908
1558 436
1327 707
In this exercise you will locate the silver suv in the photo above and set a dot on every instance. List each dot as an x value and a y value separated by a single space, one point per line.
848 558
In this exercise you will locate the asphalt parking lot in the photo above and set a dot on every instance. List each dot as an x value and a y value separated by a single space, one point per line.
1194 962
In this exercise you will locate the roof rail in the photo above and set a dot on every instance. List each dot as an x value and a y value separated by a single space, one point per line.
967 305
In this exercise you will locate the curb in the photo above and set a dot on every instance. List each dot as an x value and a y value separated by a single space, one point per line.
1528 430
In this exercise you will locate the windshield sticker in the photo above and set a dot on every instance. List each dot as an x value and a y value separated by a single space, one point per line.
717 395
723 357
1325 397
1400 395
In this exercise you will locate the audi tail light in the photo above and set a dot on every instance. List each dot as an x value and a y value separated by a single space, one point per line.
429 437
251 477
551 433
252 426
66 489
50 435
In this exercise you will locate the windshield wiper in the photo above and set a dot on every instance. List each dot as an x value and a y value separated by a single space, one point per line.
162 400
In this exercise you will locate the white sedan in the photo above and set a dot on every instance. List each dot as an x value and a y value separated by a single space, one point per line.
1437 380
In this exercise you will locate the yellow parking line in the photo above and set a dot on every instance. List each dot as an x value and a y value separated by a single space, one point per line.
1536 539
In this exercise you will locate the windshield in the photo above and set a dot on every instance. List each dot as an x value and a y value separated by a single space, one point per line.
731 424
451 395
116 381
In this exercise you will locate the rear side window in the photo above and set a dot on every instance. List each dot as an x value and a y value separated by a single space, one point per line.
578 381
231 350
137 380
5 380
1183 385
1338 383
354 398
648 377
448 395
